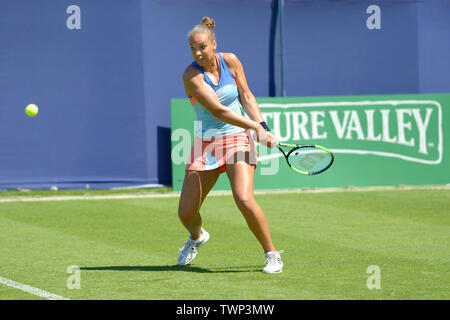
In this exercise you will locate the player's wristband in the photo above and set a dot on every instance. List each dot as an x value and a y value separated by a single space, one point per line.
264 125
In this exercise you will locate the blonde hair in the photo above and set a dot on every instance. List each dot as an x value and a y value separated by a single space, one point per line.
207 26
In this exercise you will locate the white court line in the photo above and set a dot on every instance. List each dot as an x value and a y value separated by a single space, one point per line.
213 193
86 197
32 290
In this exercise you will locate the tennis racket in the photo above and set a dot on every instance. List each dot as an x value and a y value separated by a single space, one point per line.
307 159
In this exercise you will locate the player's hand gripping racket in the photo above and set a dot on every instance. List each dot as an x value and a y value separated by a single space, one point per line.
307 159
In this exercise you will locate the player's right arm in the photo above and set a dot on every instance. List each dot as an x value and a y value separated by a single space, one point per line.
196 87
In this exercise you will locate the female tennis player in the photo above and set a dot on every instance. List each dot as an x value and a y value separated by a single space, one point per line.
217 88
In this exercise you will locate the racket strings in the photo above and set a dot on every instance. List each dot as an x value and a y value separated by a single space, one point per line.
309 159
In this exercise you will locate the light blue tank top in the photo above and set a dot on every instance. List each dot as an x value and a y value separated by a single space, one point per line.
206 125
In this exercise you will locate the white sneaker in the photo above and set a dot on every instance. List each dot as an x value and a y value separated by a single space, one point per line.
190 248
273 262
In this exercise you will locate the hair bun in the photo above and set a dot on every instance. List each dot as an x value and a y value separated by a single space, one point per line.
210 23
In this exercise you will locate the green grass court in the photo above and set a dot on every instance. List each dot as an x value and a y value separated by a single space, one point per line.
127 248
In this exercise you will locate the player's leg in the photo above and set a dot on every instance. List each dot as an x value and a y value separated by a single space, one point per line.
196 186
241 177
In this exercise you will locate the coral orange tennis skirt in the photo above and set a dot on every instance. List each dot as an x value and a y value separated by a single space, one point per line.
218 152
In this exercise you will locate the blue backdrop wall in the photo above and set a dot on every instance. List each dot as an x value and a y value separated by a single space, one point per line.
103 76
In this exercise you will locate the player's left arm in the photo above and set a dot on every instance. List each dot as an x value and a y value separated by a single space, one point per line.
247 98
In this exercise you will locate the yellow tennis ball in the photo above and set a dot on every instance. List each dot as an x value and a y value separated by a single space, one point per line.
31 110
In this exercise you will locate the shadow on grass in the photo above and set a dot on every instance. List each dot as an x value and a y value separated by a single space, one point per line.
187 268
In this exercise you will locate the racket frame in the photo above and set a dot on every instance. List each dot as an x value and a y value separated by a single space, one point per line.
300 146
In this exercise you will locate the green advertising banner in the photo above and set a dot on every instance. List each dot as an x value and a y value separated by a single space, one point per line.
380 140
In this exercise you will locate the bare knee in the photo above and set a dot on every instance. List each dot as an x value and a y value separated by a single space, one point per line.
187 214
244 201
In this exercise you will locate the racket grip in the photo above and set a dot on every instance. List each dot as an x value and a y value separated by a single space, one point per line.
254 136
